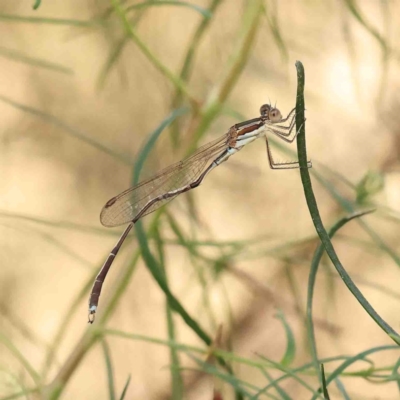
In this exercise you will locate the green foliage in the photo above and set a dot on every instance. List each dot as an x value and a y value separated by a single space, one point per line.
33 61
36 4
125 390
290 351
371 184
324 388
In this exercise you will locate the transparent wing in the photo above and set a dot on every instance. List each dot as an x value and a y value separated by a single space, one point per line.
127 205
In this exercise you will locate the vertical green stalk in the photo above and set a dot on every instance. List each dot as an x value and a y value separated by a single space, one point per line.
177 387
314 212
311 284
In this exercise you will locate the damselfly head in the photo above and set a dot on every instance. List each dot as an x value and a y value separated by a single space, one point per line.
271 113
275 115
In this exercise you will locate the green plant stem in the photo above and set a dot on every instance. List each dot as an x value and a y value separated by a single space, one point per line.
158 275
109 368
156 3
130 31
314 212
188 63
125 158
53 21
311 284
177 386
353 8
55 388
21 358
118 48
194 43
238 60
91 335
34 61
65 322
155 269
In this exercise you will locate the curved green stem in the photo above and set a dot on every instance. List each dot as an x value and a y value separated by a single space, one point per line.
311 283
315 216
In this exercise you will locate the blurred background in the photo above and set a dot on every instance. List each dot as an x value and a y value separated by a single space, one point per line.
84 85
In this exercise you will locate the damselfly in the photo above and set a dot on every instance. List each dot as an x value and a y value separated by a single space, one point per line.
149 195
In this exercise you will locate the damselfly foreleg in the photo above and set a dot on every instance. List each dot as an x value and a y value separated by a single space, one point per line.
286 128
285 136
290 116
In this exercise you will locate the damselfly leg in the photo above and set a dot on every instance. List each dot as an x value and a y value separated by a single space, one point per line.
284 132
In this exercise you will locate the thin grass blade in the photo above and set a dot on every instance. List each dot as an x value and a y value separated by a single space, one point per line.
290 351
342 389
34 61
65 127
205 13
52 21
109 367
125 390
311 284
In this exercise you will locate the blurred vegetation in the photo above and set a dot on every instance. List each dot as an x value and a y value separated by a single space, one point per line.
96 95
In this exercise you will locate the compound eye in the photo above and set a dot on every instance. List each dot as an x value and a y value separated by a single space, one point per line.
264 110
275 115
